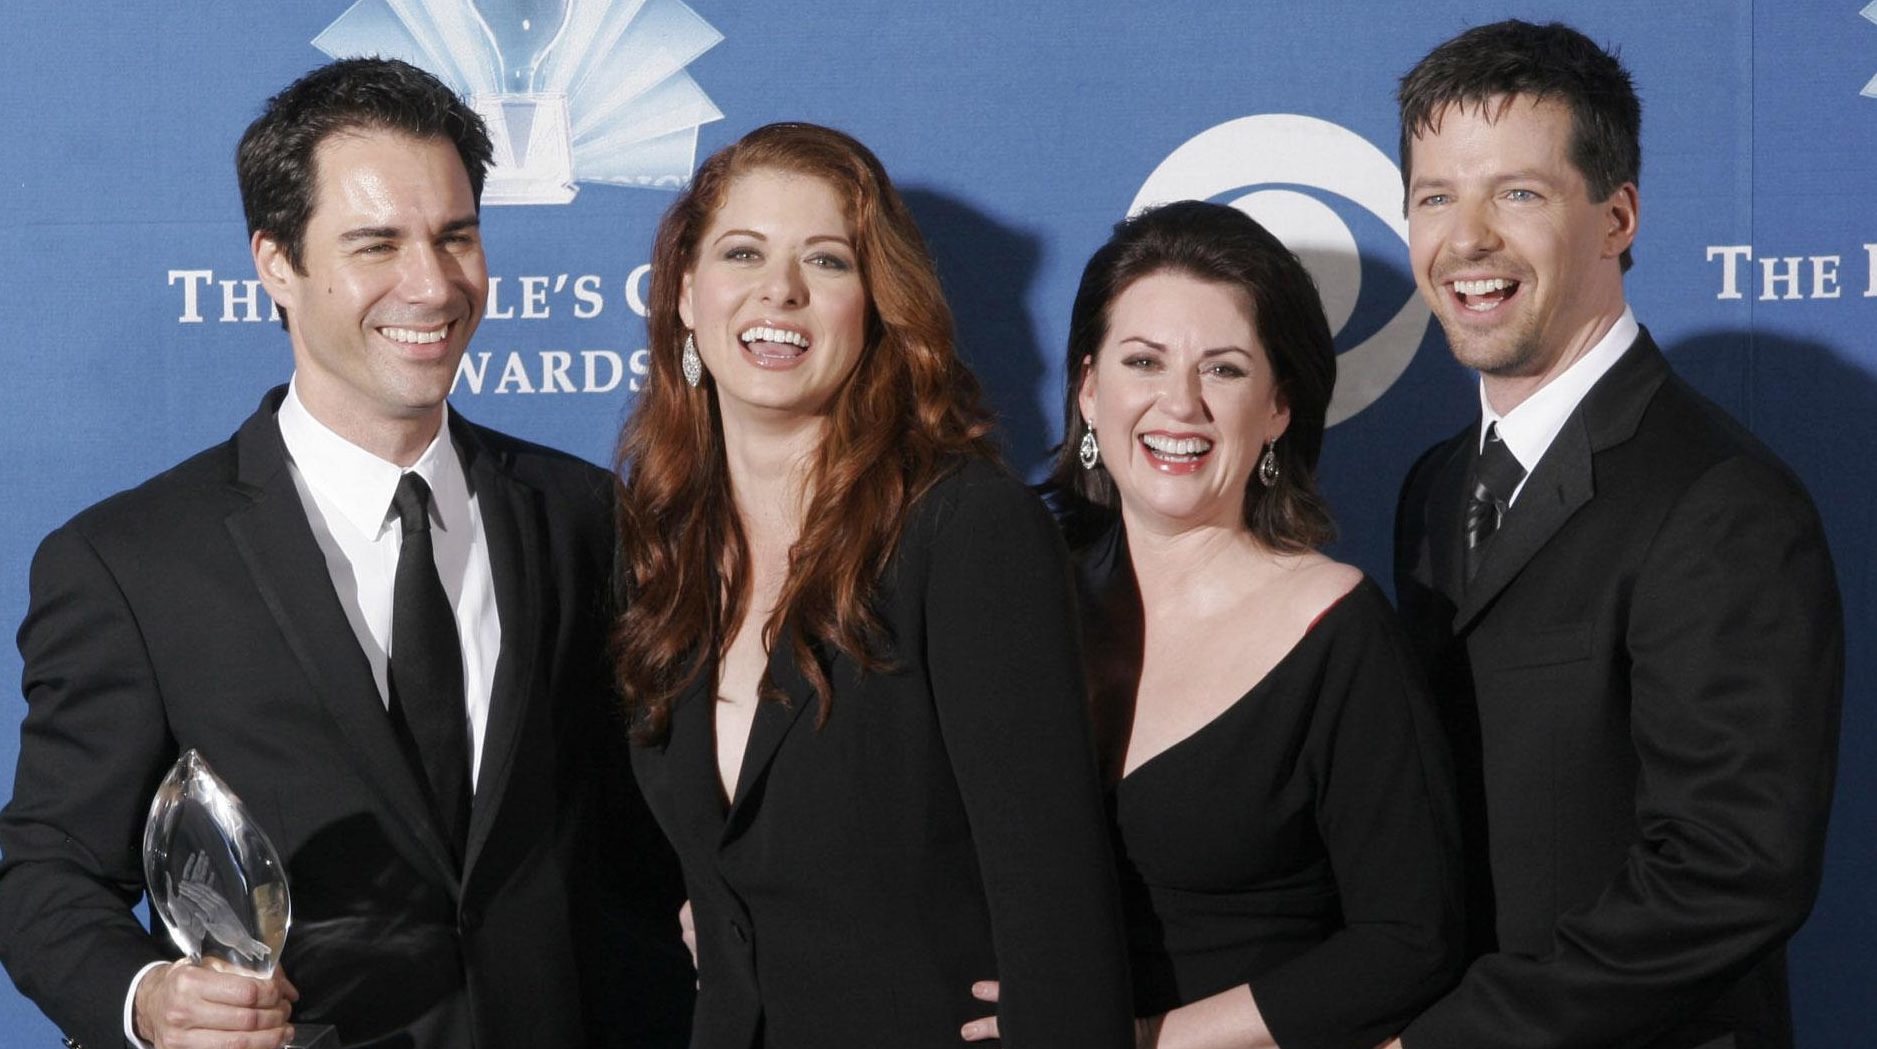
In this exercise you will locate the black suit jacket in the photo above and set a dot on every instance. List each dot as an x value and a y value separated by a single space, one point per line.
943 826
196 610
1642 684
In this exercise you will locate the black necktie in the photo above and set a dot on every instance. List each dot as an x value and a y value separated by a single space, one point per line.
1495 477
427 666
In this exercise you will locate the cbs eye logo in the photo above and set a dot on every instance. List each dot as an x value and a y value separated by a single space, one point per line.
1325 192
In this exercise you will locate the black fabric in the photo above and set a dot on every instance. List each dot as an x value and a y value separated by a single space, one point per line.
1641 688
197 611
944 825
1496 475
426 667
1302 841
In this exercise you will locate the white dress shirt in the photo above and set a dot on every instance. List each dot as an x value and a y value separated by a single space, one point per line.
346 492
1529 429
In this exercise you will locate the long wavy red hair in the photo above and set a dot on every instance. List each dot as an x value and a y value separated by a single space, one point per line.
904 417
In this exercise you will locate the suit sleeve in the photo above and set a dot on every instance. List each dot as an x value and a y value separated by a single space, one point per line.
637 980
1007 682
1736 646
93 746
1385 812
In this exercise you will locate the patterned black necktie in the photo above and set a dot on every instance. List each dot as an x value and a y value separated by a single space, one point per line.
1495 477
427 667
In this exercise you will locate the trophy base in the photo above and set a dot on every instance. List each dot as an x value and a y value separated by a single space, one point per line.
314 1036
526 191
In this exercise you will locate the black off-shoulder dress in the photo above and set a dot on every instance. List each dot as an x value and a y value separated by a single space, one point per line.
1303 841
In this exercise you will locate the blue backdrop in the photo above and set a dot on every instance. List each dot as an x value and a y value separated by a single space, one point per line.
131 334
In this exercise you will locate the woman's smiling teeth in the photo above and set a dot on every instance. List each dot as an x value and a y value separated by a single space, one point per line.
1482 295
1176 449
774 337
412 335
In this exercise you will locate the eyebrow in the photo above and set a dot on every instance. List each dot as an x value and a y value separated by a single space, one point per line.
1521 175
395 232
1526 175
1213 352
816 239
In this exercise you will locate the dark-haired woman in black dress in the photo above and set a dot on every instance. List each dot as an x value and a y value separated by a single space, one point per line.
1281 802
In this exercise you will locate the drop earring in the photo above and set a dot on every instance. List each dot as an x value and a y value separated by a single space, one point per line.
1089 452
692 364
1267 466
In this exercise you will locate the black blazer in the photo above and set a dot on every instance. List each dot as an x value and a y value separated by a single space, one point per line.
944 825
1642 684
196 611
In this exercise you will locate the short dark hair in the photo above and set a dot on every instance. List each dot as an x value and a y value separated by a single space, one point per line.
1219 244
1494 64
275 163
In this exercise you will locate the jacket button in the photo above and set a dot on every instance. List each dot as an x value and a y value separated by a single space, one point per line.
742 933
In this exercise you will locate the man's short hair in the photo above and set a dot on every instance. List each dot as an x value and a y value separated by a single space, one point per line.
1494 64
275 161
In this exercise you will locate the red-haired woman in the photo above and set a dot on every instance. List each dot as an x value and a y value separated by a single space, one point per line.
848 645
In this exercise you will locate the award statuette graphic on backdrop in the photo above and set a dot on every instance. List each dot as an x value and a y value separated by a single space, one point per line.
216 881
572 90
534 158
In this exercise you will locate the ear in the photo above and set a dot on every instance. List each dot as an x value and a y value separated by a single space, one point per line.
1280 416
1085 394
685 310
272 266
1623 211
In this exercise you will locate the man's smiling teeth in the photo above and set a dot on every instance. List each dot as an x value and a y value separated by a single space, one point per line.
780 335
1481 296
1482 287
413 336
1176 447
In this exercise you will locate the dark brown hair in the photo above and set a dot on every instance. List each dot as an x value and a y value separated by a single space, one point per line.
904 417
274 163
1222 245
1491 65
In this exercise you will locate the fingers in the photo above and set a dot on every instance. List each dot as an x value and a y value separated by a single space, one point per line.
287 989
687 928
979 1030
986 1028
183 1006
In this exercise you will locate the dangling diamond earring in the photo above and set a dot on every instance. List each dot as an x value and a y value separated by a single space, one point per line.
693 364
1089 452
1267 466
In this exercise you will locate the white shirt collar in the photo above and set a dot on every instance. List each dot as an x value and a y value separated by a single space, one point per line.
1529 429
359 484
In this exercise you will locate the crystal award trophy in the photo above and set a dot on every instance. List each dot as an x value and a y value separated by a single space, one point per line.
216 881
528 125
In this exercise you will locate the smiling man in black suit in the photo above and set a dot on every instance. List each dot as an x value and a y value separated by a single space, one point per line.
1625 601
383 626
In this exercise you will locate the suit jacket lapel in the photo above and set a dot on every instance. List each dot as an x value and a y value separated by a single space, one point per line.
512 527
276 542
688 761
772 723
1446 512
1556 488
1564 479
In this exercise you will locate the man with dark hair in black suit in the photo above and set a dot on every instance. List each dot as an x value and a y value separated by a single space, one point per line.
1625 601
384 626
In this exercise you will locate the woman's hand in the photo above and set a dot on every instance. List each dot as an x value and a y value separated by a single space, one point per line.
986 1028
687 928
1146 1028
